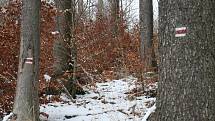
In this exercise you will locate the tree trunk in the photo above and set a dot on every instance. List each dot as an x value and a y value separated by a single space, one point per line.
89 9
80 8
26 105
65 51
100 8
115 16
61 44
187 63
146 32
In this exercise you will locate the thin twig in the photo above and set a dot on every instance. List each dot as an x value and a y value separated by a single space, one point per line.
3 77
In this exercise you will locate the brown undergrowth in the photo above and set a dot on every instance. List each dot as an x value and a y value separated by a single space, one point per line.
101 56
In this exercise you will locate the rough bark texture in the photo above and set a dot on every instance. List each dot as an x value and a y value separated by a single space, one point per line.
187 64
26 105
61 44
65 51
146 31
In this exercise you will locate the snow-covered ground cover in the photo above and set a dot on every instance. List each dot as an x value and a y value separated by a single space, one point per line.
108 101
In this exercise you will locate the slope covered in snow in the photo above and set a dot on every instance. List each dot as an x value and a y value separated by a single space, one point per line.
108 101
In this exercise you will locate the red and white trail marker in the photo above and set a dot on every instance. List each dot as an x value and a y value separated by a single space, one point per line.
29 61
180 31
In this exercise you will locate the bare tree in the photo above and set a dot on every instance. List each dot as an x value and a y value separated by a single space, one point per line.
187 61
26 105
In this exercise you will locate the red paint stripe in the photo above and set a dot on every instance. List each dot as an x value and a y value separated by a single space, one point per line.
29 60
181 31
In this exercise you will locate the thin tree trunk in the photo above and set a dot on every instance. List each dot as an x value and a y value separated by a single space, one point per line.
26 105
115 9
73 50
89 15
100 8
187 63
80 8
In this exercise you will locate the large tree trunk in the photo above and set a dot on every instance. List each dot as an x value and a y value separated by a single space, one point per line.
187 63
61 44
26 105
65 52
146 32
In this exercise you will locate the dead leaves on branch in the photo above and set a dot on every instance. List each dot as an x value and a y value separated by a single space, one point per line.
99 53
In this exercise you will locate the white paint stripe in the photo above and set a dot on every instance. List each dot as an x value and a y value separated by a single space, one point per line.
29 58
28 62
180 35
181 28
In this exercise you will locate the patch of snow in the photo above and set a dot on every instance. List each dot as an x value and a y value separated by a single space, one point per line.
109 101
149 111
55 32
6 118
47 77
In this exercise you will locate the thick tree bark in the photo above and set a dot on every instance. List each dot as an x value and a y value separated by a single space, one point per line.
61 44
187 64
146 32
65 51
26 105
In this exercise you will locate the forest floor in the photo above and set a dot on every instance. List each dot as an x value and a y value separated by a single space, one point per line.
109 101
113 100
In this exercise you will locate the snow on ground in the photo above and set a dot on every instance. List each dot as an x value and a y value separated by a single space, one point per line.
107 102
